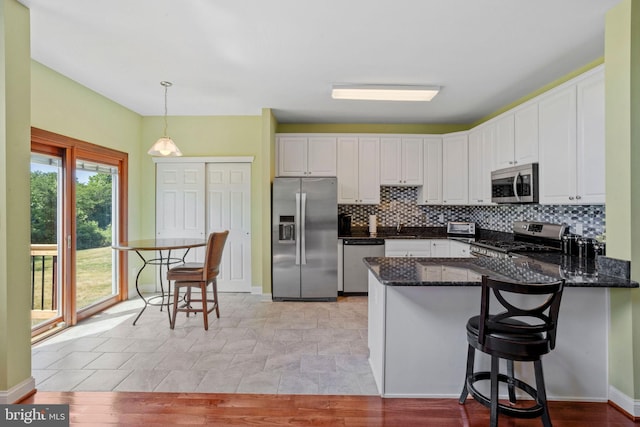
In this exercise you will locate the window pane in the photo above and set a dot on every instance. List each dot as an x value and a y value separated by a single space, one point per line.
46 199
96 188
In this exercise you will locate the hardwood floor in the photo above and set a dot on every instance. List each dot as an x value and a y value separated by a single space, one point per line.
169 409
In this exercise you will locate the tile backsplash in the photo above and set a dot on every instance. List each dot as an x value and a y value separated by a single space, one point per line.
398 204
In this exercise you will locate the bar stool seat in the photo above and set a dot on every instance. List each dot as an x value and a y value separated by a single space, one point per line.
523 332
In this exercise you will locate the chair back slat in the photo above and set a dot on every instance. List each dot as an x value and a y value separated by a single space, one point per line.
511 318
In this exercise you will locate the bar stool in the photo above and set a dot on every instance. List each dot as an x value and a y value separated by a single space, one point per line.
199 275
523 332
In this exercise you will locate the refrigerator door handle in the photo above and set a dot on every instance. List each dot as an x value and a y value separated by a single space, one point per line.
303 231
297 225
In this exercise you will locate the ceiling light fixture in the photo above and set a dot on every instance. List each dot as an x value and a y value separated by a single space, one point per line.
385 92
165 145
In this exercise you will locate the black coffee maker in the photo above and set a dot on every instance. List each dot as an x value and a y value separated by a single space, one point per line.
344 224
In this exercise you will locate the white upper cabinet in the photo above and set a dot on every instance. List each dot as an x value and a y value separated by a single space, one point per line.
358 170
455 169
401 161
572 143
431 191
525 120
306 155
516 138
504 140
590 148
481 141
557 175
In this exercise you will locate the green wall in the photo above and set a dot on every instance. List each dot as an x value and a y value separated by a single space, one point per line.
213 136
622 85
15 292
60 105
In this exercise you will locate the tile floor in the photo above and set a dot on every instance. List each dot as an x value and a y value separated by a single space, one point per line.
256 346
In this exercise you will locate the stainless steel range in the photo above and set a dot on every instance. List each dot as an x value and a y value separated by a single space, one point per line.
528 236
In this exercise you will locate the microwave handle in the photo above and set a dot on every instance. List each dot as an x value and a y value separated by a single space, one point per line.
515 186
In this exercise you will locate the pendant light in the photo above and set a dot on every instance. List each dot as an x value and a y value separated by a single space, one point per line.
165 146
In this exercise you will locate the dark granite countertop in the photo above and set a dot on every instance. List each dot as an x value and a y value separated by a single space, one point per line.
391 233
421 233
468 271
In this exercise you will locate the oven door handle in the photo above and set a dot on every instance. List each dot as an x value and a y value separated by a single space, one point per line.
515 186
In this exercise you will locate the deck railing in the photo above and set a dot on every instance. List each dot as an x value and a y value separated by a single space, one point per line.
39 254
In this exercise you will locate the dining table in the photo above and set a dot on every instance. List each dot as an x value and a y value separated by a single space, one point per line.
161 249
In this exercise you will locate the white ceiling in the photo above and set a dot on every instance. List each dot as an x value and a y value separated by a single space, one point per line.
235 57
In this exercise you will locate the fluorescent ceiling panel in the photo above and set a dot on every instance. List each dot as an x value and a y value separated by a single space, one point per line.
384 92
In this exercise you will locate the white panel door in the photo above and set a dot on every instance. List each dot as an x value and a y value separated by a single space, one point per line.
229 208
180 202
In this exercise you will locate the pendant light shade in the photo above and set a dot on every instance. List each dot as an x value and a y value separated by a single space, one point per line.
165 146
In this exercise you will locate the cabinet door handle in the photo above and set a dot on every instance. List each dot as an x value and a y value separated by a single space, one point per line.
578 197
571 197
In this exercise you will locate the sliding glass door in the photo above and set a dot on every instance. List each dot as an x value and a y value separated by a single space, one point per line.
78 211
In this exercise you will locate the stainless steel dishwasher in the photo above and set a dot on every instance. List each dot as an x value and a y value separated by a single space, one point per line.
355 273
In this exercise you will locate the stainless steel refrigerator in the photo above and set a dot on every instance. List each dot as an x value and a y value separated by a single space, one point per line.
304 239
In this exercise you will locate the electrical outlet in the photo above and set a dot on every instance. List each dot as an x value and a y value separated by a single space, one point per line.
579 229
441 218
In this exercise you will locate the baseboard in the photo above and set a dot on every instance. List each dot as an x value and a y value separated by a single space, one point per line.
624 403
256 290
18 392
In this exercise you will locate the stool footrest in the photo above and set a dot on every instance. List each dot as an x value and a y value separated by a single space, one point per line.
528 412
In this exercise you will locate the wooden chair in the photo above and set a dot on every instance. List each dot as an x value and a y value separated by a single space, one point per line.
523 332
199 275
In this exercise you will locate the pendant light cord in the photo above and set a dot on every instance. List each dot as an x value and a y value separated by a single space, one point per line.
166 87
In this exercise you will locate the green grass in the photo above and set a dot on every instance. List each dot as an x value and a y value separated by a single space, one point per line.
93 278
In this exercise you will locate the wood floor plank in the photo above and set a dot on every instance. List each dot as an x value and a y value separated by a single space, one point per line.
170 409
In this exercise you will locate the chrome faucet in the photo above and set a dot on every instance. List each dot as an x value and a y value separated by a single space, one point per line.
398 224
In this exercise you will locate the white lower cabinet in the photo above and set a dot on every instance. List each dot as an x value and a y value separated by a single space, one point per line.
440 249
426 248
407 248
459 249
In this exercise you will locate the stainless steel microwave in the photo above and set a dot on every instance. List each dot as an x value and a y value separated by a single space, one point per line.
517 184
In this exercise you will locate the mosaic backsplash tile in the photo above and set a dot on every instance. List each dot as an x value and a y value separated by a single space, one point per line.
398 204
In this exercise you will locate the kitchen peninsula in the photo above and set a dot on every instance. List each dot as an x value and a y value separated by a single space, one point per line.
418 308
